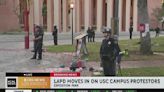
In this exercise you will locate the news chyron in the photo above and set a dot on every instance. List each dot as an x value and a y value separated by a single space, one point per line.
73 80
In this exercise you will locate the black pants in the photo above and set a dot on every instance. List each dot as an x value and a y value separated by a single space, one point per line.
38 50
93 37
89 39
130 35
109 67
55 41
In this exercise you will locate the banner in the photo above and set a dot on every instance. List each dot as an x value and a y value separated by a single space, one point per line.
72 80
108 83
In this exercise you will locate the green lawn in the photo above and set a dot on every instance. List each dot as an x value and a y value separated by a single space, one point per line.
147 71
131 45
61 48
150 71
158 44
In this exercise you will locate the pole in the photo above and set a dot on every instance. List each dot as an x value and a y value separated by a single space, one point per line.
116 17
115 20
26 27
115 26
72 26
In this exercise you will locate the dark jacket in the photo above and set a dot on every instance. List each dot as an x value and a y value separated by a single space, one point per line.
54 33
131 29
89 33
39 33
157 30
107 49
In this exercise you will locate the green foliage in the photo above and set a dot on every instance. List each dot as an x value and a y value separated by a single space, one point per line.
158 13
44 10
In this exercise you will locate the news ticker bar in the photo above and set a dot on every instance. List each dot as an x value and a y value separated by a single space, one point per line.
52 74
82 90
84 82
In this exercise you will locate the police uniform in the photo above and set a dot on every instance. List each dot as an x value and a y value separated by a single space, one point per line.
54 33
89 33
93 35
131 31
107 55
38 43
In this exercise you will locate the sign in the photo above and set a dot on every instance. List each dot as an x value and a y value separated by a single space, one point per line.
81 44
147 28
142 28
107 82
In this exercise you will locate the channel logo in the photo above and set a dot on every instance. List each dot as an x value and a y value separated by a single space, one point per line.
11 82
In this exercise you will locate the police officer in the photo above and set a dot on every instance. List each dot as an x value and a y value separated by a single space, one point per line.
54 34
93 34
107 54
89 34
131 31
38 40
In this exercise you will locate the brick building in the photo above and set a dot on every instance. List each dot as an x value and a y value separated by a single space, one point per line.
86 13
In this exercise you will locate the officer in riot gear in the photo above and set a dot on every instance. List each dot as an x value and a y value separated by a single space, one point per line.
38 40
107 54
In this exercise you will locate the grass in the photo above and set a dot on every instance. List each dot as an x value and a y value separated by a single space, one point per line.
61 48
158 44
148 71
131 45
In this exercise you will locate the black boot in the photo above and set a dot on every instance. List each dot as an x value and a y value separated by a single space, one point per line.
34 57
40 56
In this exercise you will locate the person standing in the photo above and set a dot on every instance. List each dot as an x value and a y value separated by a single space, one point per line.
93 35
107 54
157 30
131 31
38 40
54 34
89 34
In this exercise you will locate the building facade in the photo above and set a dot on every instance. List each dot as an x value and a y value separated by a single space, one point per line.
9 20
86 13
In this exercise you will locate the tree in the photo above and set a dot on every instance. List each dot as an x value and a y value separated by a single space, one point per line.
145 46
158 14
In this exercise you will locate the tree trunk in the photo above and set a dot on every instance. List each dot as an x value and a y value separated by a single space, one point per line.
145 46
